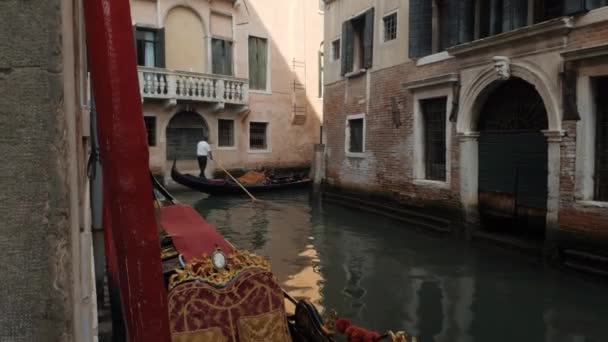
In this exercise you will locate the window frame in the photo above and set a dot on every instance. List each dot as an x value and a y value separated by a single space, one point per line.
234 135
357 27
347 134
336 42
268 148
158 45
394 13
154 140
231 44
268 88
428 176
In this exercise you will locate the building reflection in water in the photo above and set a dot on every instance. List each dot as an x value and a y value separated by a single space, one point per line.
385 276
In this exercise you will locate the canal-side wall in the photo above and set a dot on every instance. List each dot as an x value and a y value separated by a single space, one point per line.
388 95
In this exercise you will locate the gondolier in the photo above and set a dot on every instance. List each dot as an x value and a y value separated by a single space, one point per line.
203 151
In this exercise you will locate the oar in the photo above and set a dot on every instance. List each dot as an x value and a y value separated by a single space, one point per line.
253 199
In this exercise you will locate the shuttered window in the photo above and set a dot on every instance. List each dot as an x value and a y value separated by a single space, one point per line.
335 50
258 135
434 116
390 27
258 68
514 14
221 56
355 130
421 28
150 122
150 47
225 133
358 43
593 4
601 146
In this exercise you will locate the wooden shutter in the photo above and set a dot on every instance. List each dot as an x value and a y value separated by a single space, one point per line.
368 39
217 57
569 93
262 46
228 58
253 65
495 17
466 21
574 6
160 48
514 14
348 47
421 28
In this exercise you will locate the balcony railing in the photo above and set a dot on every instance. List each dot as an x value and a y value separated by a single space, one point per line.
155 83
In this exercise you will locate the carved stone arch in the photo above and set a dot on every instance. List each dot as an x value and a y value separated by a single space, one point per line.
184 4
475 93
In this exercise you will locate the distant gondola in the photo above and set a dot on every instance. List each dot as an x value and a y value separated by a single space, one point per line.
228 187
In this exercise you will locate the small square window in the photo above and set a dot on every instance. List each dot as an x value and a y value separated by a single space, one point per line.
335 49
258 135
225 133
390 27
355 129
150 122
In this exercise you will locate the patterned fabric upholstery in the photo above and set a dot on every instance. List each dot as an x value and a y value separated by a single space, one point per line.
250 307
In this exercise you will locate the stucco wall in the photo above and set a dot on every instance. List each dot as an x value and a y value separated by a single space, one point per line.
36 282
184 41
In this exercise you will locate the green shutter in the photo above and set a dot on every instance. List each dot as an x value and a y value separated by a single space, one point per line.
569 81
421 28
495 17
217 56
228 63
262 45
253 66
368 39
466 21
348 47
514 14
160 48
574 6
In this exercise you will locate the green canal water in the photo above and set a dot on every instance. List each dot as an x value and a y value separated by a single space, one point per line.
384 275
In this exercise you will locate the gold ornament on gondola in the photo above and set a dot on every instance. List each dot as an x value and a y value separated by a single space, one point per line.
204 269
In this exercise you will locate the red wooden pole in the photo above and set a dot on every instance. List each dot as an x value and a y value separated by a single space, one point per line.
124 157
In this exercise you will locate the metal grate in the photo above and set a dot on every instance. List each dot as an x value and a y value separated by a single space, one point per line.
225 133
390 27
355 127
434 112
150 122
257 135
601 147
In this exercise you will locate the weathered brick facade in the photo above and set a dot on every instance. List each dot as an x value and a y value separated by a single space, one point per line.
388 165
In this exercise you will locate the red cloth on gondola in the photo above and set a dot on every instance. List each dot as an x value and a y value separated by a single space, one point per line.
192 236
354 333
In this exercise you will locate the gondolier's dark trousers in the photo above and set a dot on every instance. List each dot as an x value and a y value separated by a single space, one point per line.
202 164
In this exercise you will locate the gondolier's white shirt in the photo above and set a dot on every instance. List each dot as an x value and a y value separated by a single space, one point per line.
202 149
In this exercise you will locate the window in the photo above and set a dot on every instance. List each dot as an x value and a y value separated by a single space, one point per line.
150 47
355 136
601 145
258 51
434 116
257 135
358 41
225 133
335 50
150 122
221 56
390 27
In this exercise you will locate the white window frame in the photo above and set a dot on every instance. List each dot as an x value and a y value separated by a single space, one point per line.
268 90
419 168
347 152
234 128
268 136
383 31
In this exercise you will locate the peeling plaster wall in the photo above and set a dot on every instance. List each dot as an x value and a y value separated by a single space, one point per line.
37 224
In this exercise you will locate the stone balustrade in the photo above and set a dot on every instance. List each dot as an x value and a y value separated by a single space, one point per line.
155 83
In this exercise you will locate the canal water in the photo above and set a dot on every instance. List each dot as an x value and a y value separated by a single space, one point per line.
384 275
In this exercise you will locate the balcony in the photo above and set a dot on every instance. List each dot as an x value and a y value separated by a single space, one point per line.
173 86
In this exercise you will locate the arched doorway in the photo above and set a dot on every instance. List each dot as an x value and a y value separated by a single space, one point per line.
513 160
184 131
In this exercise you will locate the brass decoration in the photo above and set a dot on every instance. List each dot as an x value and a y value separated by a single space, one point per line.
168 253
203 270
401 336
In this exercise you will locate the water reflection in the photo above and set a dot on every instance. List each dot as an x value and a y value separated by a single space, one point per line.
385 276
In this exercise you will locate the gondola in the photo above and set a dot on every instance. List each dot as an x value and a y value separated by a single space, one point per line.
217 292
228 187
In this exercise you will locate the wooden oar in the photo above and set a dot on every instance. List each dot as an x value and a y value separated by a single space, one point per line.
253 199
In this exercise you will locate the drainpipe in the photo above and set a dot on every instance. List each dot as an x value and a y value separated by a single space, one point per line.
124 152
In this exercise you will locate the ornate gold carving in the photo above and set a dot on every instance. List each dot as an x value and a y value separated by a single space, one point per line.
401 336
203 270
167 253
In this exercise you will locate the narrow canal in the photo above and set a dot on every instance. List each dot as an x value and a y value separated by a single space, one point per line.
384 275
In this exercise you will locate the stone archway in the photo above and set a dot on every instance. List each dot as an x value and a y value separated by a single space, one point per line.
184 131
472 99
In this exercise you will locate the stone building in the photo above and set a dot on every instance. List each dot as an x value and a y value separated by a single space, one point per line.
488 112
47 285
244 73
